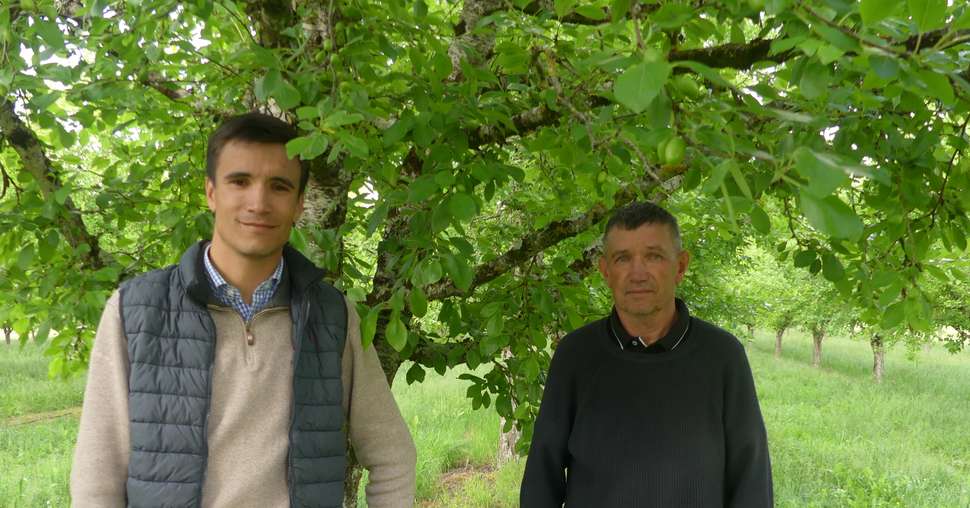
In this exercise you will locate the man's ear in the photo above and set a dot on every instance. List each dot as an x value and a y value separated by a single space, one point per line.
602 265
683 260
210 189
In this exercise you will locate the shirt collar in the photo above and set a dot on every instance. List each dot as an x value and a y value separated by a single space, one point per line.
672 339
220 284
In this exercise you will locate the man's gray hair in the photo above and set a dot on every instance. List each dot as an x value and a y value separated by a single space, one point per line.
637 214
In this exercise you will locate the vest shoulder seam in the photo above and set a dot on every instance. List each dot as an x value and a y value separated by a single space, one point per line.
169 394
165 308
130 477
134 450
166 337
133 362
166 423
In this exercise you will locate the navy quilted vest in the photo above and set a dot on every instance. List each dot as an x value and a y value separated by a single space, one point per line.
171 342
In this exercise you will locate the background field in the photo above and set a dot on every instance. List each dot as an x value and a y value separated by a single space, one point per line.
836 438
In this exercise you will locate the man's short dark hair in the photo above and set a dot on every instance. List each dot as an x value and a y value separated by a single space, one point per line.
636 214
252 127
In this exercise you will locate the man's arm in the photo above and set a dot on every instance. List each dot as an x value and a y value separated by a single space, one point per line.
101 457
378 433
748 467
544 480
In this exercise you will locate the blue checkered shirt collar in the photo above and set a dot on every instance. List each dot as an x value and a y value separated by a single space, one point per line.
229 295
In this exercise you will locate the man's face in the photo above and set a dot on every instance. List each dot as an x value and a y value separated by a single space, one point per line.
255 198
642 267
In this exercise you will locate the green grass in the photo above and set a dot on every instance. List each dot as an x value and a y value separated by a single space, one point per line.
836 437
24 386
839 439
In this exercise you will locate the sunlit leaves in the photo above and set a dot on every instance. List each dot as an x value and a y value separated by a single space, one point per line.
831 216
640 84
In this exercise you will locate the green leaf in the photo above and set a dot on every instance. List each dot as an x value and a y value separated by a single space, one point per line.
893 316
886 67
640 84
25 257
307 147
459 271
672 15
963 22
938 85
821 172
591 12
713 183
396 132
48 246
356 146
463 206
418 302
740 180
395 332
341 118
873 11
563 7
415 374
368 325
831 216
376 218
832 268
619 9
273 85
760 220
530 369
50 33
815 81
928 14
804 258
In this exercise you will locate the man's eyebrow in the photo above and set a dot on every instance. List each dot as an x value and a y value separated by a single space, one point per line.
284 180
237 174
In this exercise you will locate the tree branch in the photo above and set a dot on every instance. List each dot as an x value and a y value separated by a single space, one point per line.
35 161
552 234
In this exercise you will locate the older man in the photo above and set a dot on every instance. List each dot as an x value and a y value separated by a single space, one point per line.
649 406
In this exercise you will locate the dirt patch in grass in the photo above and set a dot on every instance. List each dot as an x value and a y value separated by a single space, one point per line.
450 482
41 417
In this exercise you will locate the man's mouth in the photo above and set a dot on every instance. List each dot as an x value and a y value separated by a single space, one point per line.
259 225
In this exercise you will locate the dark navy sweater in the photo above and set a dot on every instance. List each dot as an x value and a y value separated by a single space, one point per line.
677 429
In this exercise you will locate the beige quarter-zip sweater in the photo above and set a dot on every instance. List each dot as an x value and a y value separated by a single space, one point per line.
249 416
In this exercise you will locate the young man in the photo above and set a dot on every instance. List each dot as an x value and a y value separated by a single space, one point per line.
230 379
648 407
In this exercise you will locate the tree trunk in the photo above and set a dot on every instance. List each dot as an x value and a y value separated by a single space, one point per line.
507 442
817 336
778 335
878 358
6 334
750 331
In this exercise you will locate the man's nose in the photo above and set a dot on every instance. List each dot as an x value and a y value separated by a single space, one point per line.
638 268
257 200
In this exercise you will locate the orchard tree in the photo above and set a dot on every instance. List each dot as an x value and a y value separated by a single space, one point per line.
464 154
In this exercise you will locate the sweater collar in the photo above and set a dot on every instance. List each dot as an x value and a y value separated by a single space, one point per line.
668 342
300 272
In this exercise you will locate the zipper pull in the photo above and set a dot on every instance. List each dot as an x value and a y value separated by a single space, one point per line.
249 338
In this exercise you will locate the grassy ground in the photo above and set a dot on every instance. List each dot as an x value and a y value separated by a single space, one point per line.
836 438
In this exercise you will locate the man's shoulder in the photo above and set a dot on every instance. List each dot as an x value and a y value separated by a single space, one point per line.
582 339
715 337
156 276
